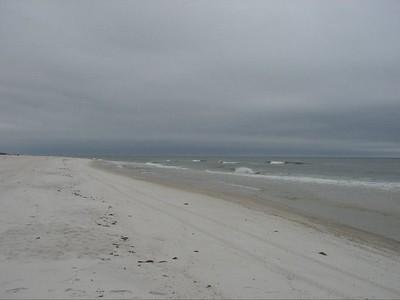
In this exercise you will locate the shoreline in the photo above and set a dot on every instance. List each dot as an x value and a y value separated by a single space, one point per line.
69 230
271 207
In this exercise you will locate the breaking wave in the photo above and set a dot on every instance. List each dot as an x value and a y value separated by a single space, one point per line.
316 180
244 170
159 165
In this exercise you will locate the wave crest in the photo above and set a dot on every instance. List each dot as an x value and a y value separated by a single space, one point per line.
244 170
159 165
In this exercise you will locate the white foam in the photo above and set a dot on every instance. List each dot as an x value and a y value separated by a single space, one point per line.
158 165
244 170
276 162
317 180
196 160
229 162
121 164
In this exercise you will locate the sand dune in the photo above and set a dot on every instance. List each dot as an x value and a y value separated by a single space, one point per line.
69 230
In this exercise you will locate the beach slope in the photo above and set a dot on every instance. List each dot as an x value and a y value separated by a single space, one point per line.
68 230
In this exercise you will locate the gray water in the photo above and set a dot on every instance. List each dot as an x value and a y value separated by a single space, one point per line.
379 172
362 193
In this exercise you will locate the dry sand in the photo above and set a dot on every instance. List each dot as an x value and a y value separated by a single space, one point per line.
69 230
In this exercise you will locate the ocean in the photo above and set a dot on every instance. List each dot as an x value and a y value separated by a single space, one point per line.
361 193
381 173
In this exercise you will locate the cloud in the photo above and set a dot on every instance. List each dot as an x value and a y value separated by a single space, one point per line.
305 77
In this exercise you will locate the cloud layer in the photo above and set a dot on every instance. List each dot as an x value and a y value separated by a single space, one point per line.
191 77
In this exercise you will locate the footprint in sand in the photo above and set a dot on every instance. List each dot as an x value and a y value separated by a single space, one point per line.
16 290
157 293
75 293
121 291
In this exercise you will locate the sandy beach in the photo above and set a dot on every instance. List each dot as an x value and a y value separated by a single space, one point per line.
69 230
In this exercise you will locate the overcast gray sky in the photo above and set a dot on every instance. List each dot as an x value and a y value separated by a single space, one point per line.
192 77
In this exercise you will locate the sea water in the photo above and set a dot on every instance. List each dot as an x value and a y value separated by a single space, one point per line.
376 172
